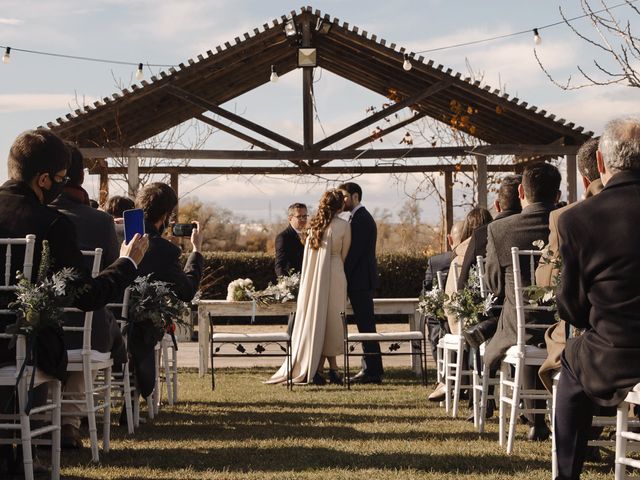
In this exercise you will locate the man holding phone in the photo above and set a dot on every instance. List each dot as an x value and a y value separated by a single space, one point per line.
158 201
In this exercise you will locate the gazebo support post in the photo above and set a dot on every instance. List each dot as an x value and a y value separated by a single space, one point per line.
481 180
572 179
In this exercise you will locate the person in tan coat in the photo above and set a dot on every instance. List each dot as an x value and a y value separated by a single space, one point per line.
555 336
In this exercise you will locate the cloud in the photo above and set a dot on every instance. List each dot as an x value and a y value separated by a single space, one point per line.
27 102
10 21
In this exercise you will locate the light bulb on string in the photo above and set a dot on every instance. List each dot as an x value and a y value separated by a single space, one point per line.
407 63
274 75
537 39
139 72
6 58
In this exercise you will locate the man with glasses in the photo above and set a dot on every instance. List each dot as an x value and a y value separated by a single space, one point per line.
290 242
37 165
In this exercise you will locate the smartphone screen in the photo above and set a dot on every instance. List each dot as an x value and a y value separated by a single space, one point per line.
133 223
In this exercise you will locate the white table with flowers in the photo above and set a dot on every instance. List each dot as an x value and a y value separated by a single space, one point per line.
224 308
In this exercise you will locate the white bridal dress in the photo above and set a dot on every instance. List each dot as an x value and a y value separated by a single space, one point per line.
317 329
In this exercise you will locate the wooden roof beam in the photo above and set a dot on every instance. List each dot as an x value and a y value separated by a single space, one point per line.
299 155
407 102
355 169
235 133
259 129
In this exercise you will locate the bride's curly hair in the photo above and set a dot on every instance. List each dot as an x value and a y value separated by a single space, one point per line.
331 203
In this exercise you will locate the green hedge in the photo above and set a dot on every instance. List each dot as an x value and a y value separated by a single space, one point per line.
401 275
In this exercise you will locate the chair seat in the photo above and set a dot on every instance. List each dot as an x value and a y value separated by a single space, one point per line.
250 337
533 355
384 337
75 356
8 376
451 340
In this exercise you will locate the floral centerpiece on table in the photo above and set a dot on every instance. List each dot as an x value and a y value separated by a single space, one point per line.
40 304
468 303
431 303
284 290
155 302
241 289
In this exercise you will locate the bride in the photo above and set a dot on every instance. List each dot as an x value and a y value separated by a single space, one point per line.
317 330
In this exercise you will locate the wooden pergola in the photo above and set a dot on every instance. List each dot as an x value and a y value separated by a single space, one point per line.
114 126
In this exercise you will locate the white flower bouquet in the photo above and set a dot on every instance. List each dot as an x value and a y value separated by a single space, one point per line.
285 290
432 303
241 289
468 303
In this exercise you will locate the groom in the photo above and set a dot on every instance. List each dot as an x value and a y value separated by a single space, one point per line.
362 278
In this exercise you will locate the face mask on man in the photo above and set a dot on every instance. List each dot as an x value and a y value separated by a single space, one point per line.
54 191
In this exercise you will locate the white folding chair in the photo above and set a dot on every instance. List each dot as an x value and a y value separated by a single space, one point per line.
520 355
440 345
170 368
481 378
626 440
90 362
454 349
122 383
20 376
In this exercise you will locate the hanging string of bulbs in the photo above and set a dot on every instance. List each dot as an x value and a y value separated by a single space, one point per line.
406 64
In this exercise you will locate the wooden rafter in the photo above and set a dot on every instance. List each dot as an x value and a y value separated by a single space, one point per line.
407 102
234 132
259 129
299 155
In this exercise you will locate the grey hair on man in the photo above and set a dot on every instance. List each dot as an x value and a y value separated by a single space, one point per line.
292 210
619 146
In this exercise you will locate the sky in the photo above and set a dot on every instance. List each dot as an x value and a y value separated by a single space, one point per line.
37 89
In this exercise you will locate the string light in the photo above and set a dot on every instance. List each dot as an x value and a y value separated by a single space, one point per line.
290 30
274 75
140 72
407 63
536 37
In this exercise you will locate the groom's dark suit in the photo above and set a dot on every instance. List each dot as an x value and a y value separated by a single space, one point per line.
362 278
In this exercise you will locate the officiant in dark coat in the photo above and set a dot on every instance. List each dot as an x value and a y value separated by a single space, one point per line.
158 200
290 242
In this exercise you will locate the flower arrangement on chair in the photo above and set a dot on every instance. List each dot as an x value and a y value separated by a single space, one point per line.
241 289
468 303
155 302
431 303
39 305
284 290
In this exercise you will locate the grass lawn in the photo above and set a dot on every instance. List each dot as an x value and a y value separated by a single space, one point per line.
253 431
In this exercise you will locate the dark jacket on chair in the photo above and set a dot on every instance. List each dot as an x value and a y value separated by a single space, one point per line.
95 229
289 252
514 231
599 288
163 261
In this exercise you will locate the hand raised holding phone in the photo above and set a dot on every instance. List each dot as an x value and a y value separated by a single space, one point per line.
189 230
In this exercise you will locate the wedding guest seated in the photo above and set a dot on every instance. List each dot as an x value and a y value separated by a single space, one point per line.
507 204
598 292
158 201
37 166
539 191
115 207
555 336
438 329
95 229
290 241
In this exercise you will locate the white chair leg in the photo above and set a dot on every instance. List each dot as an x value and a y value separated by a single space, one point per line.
150 406
106 414
484 398
91 411
457 382
622 419
165 365
515 398
447 375
477 397
56 398
25 430
501 415
126 387
174 370
554 451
